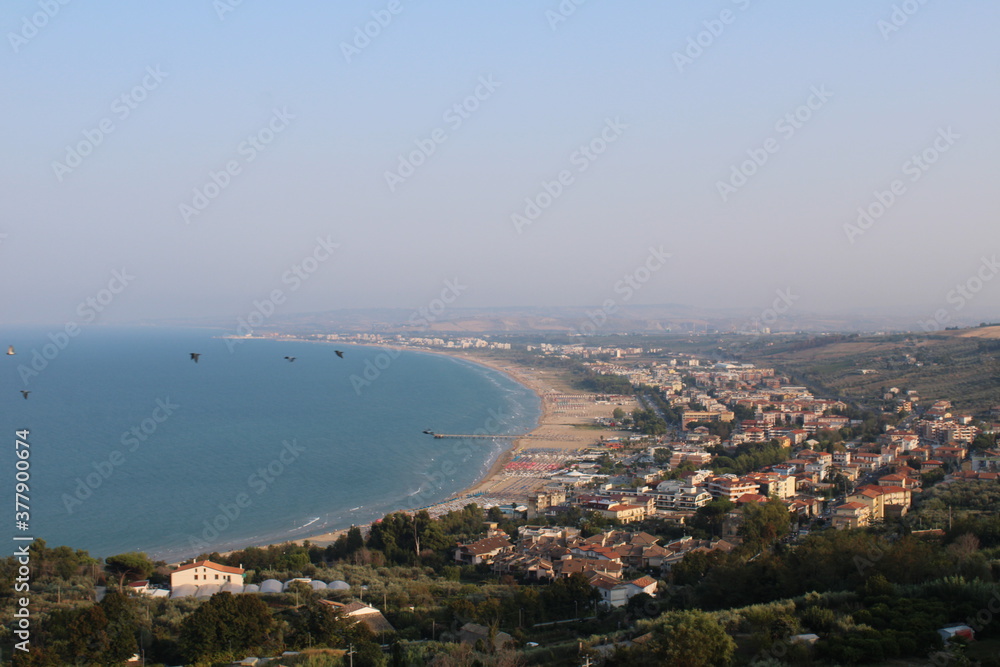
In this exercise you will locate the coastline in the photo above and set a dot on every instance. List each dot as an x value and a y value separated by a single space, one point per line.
550 433
501 461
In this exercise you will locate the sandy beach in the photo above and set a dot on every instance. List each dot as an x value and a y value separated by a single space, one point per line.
565 427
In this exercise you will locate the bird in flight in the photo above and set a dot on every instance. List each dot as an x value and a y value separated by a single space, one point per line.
290 359
25 393
10 349
339 353
195 355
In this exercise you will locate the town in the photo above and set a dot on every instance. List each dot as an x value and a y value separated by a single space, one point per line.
658 487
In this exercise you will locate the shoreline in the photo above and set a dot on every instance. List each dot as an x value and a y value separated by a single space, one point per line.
495 469
493 477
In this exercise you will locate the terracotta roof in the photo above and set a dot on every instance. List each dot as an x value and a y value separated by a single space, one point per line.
603 581
486 545
851 506
210 564
624 508
642 582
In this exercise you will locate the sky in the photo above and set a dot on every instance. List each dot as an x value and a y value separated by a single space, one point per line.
167 160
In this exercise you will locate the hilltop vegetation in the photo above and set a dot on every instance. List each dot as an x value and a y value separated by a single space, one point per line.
953 365
872 596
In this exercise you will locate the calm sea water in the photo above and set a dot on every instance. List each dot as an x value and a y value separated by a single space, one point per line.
136 447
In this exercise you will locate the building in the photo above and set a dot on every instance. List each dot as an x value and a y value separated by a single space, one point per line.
206 572
471 633
730 487
625 513
850 515
615 592
689 416
359 611
482 551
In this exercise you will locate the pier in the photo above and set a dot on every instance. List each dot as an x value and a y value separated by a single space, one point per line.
517 436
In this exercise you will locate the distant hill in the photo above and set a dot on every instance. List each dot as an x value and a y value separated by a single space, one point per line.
616 319
962 366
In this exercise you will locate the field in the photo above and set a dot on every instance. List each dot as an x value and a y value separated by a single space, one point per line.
960 366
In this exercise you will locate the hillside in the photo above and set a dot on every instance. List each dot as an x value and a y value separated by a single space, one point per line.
962 366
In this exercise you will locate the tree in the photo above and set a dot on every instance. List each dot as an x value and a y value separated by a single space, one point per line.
711 516
690 639
764 523
223 624
89 635
121 614
133 564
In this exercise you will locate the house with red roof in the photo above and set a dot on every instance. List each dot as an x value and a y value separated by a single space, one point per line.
615 592
851 515
748 498
898 480
205 572
482 551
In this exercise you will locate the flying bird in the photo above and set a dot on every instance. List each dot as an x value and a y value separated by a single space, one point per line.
290 359
195 355
339 353
10 349
25 393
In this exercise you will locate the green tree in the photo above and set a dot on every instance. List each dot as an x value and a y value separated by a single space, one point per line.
121 613
89 635
133 565
710 517
224 624
690 639
764 523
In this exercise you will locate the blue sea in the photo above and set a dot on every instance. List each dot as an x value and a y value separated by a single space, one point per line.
135 447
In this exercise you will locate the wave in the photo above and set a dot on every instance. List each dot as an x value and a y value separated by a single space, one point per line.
305 525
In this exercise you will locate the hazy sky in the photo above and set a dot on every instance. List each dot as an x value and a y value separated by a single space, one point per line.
205 147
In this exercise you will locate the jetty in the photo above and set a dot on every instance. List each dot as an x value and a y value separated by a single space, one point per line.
515 436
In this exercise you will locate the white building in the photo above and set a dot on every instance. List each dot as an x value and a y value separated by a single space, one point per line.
205 572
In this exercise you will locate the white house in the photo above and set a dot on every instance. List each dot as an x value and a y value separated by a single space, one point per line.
205 572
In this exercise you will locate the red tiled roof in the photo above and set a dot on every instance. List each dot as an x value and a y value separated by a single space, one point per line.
487 544
211 565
